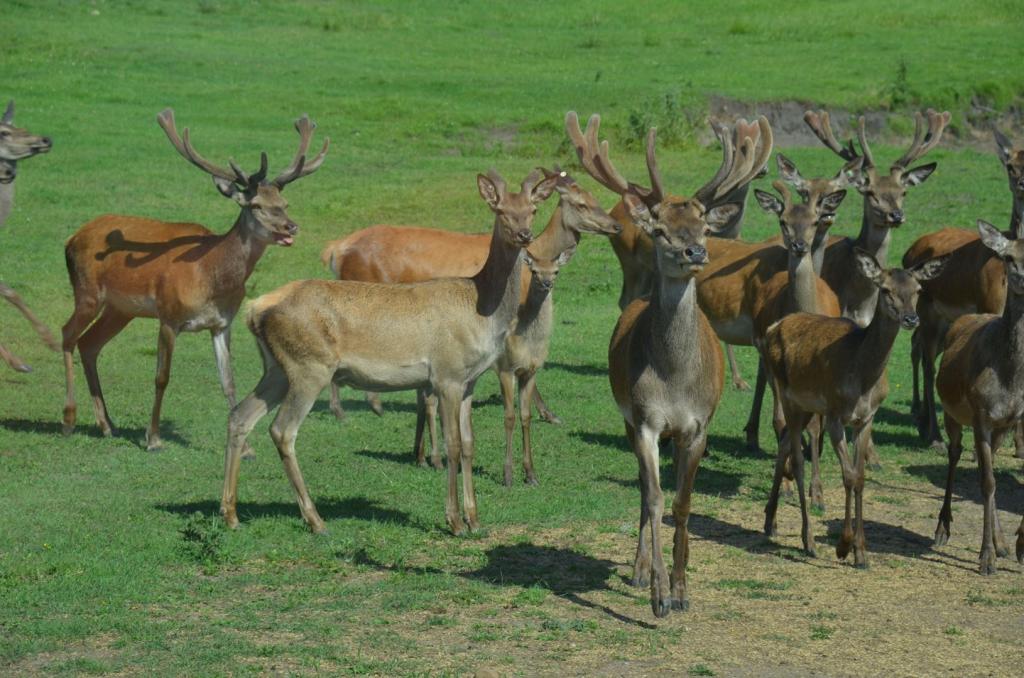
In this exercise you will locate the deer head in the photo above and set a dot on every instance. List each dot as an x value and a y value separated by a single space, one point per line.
804 222
580 210
515 211
264 209
678 226
898 288
883 192
1009 250
17 143
545 270
1013 160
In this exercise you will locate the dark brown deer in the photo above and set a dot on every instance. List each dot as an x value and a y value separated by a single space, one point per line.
981 384
187 277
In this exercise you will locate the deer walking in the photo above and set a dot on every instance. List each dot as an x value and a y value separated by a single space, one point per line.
439 335
17 143
187 277
664 360
981 384
835 368
974 281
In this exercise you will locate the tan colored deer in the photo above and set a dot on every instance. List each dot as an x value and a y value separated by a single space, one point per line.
17 143
182 274
744 154
664 360
404 254
835 368
974 281
439 335
981 384
884 194
804 226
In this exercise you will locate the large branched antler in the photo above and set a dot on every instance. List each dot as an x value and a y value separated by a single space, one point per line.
593 155
924 141
821 124
744 156
184 146
300 166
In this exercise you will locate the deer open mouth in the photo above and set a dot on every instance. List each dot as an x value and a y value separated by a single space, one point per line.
283 239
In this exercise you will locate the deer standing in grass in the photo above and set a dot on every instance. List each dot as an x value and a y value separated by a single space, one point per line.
748 146
974 281
664 360
439 335
834 368
17 143
798 289
404 254
981 384
182 274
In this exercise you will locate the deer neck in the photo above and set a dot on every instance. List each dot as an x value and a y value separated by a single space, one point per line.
497 283
818 246
1016 217
537 305
556 237
873 238
876 344
1013 326
674 322
241 243
803 285
6 201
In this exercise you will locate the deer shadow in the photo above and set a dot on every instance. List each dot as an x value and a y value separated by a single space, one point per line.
198 245
966 483
361 508
585 370
137 434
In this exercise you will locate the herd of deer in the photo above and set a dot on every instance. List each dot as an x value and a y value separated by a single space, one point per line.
822 311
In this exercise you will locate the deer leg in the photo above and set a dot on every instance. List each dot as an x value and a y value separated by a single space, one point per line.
266 396
1020 542
373 400
1018 440
997 530
16 363
642 561
506 379
165 351
527 387
418 448
796 458
335 403
41 329
861 443
647 456
435 451
303 390
753 427
929 429
983 448
737 379
468 452
915 361
688 456
84 313
955 433
543 411
222 354
449 399
785 449
837 435
110 323
815 429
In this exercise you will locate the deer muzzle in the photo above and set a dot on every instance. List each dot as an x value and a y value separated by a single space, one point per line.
910 320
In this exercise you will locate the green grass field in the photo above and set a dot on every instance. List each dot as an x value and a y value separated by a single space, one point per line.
114 561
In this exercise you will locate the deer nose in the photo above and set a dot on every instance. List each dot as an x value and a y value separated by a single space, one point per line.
911 320
800 247
896 216
292 227
696 254
524 236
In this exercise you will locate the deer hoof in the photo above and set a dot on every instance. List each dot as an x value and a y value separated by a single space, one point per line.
987 563
550 417
680 605
941 535
532 480
154 444
740 385
640 580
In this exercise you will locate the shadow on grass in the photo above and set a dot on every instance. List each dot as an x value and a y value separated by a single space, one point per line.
564 572
966 483
362 406
585 370
360 508
885 538
709 481
614 441
138 435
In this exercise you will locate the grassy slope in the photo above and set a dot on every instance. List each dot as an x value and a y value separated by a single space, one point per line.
94 574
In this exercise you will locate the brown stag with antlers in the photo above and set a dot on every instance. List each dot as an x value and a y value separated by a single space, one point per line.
182 274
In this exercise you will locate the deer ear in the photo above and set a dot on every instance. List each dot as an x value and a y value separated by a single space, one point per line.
718 217
788 171
992 238
830 203
229 189
488 191
913 177
8 114
638 213
868 266
566 255
1003 146
527 259
767 201
927 270
543 190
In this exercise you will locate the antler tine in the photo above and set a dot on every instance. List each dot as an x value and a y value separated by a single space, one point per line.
767 140
752 158
166 121
865 150
301 166
706 192
783 190
657 189
821 124
924 141
589 152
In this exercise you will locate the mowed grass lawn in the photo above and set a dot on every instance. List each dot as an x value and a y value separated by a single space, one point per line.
113 560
